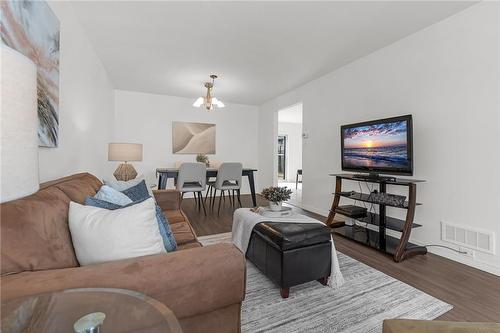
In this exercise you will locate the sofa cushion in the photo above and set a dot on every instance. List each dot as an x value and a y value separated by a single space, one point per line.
77 187
190 245
436 326
174 216
35 233
101 235
183 232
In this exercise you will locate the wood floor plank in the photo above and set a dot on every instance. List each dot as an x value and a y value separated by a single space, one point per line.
474 294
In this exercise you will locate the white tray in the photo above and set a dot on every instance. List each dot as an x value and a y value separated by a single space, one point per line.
284 212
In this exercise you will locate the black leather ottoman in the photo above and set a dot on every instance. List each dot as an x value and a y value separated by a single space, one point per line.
291 253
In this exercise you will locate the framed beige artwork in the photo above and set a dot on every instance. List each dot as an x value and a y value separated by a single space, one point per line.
193 138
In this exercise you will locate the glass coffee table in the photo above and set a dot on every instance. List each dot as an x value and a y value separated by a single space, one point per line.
121 311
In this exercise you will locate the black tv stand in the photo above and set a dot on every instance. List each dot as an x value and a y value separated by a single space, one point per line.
374 176
371 230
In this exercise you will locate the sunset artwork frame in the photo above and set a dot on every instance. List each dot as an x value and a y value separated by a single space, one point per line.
32 29
379 146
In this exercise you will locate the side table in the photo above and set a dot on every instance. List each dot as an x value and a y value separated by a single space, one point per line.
125 311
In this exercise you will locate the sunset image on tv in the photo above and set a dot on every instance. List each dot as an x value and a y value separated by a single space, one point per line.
376 146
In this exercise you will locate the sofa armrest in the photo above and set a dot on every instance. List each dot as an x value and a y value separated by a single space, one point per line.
168 199
200 280
190 282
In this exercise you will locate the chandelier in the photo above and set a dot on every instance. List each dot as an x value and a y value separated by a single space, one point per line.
208 101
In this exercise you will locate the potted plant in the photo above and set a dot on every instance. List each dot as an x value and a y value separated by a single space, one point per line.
202 158
276 196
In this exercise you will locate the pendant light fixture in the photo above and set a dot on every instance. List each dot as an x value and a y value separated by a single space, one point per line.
208 101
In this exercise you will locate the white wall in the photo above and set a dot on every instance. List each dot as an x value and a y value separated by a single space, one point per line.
447 76
85 105
293 131
147 119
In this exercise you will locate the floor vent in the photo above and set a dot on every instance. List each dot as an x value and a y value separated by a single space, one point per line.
479 240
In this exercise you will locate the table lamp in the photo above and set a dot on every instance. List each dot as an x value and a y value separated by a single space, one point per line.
18 126
125 152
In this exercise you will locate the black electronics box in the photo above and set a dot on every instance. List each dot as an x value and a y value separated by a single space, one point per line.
351 211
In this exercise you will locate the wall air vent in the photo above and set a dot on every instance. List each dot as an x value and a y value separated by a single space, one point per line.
480 240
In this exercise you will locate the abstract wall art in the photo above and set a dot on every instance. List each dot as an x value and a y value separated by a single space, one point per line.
31 28
193 138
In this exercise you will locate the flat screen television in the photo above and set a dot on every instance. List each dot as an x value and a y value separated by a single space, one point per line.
383 146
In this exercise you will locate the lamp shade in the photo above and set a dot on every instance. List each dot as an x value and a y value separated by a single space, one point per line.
18 126
125 152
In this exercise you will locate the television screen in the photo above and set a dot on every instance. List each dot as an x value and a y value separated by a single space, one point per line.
379 146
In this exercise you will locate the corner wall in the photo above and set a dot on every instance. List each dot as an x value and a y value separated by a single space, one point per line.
86 99
448 77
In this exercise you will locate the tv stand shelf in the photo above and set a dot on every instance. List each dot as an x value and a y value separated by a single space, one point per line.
391 223
364 197
398 248
370 238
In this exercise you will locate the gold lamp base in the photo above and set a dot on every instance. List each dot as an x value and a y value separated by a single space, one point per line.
125 172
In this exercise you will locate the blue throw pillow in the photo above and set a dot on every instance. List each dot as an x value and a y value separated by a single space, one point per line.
137 192
94 202
165 231
123 185
109 194
163 225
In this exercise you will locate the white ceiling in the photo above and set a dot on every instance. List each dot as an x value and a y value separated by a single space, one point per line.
259 49
291 114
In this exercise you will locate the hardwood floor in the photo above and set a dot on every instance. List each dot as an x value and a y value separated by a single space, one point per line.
474 294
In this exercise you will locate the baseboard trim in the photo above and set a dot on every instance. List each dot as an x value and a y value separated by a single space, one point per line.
479 264
442 252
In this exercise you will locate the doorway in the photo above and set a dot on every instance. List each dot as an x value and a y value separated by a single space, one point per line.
289 151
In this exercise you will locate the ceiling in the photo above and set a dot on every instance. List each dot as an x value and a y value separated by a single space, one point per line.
259 49
291 114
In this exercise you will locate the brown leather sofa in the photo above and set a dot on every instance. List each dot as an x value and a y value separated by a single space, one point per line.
203 286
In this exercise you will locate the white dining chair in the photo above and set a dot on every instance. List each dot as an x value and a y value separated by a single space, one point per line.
228 179
192 178
211 180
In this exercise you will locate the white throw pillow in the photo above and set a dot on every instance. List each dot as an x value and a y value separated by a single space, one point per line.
109 194
101 235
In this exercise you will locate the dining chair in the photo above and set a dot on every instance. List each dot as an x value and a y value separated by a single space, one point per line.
193 178
228 179
211 180
299 173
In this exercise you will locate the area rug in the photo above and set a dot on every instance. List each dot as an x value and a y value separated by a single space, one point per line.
360 305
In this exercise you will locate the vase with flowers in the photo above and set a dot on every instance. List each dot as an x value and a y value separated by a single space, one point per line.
276 196
202 158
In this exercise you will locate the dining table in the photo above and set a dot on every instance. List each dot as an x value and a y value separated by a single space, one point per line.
163 174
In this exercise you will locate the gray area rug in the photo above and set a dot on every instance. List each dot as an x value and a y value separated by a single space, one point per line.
360 305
